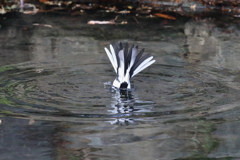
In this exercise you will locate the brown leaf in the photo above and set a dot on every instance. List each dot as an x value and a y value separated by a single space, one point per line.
164 16
43 1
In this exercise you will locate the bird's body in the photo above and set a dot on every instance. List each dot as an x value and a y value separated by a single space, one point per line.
127 63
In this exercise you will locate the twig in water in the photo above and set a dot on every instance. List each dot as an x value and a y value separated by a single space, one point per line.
136 20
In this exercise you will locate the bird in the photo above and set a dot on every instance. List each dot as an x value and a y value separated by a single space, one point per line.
127 62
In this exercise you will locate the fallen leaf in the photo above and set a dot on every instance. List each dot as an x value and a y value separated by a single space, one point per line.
39 70
43 1
31 121
164 16
124 22
123 12
101 22
45 25
193 7
2 11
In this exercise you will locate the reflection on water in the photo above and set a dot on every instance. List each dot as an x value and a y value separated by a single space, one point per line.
53 101
128 106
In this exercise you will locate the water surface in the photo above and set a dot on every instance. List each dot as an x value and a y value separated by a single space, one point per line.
55 104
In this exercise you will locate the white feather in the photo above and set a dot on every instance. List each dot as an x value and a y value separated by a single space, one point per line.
143 63
114 56
134 52
142 67
116 83
111 59
121 66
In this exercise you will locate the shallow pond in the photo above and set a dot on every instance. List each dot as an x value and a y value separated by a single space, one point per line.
55 104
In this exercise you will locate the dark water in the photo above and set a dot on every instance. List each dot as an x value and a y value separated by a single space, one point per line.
55 104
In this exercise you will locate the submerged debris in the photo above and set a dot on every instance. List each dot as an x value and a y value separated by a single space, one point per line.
39 70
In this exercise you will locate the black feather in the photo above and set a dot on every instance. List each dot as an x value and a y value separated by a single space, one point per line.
136 61
140 61
125 57
139 55
116 49
129 57
120 46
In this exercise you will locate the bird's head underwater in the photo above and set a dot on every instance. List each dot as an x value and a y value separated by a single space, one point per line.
124 85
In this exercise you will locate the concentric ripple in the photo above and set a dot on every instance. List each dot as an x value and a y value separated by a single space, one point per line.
63 92
54 90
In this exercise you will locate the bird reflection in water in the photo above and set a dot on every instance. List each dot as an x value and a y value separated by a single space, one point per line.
126 106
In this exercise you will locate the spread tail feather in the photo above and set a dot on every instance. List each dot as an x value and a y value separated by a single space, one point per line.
127 63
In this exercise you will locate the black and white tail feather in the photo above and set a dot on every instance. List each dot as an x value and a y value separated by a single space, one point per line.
127 63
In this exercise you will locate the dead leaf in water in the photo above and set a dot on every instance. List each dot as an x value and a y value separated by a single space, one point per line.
45 25
164 16
31 121
39 70
104 22
101 22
